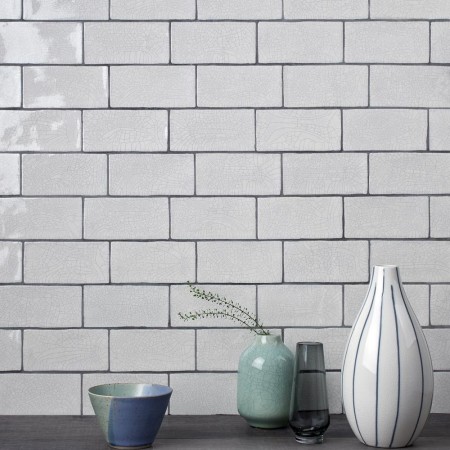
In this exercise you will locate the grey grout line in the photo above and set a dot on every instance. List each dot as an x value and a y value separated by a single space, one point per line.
343 305
342 129
369 8
170 43
282 175
429 304
368 85
196 9
109 350
168 144
256 218
343 218
257 42
169 200
282 87
282 11
255 131
22 336
83 50
82 306
81 395
429 42
195 349
428 131
429 217
343 41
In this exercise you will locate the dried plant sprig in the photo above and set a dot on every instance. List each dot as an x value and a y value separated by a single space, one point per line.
229 309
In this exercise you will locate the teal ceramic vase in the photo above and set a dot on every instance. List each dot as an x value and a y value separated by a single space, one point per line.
264 382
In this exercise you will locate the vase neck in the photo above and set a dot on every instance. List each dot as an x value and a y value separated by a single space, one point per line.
386 274
268 339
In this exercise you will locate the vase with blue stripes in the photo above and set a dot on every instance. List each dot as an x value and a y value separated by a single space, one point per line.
387 376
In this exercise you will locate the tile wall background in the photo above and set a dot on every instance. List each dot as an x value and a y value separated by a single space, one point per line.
271 151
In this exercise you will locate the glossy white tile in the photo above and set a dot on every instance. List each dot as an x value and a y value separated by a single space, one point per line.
65 9
41 43
40 218
46 131
9 174
10 87
65 87
10 262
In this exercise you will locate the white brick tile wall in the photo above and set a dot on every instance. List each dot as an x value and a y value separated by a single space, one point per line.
440 304
41 42
326 261
420 261
276 148
152 350
300 305
126 306
440 34
204 393
299 218
65 9
40 218
239 10
327 85
10 350
326 9
153 9
94 379
214 42
10 86
9 174
439 129
126 218
302 42
53 87
241 262
11 260
126 43
324 174
239 86
439 346
152 262
125 131
64 174
46 131
386 42
212 130
221 349
151 174
238 174
441 393
410 86
418 296
440 217
213 218
406 9
40 306
298 130
28 393
66 262
65 350
386 217
11 9
152 86
399 174
385 129
182 301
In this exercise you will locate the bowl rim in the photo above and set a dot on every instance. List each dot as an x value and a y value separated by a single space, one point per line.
169 390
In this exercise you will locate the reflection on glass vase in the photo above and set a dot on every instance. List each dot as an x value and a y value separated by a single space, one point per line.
309 417
264 382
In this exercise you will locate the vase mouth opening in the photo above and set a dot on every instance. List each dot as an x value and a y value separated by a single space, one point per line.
385 266
268 338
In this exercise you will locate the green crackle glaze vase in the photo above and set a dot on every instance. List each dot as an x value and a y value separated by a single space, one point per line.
264 382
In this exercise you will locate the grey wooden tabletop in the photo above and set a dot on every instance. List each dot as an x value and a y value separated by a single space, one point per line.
189 432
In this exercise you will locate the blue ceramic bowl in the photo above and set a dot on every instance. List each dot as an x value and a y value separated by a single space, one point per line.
130 414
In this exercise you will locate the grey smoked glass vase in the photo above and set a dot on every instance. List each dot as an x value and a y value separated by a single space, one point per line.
308 416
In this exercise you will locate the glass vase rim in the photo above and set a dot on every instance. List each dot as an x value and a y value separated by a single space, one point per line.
310 343
268 337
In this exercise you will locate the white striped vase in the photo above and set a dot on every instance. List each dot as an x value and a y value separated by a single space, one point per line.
387 376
